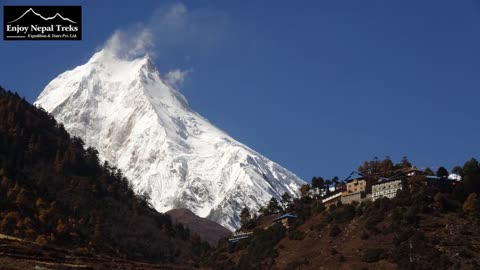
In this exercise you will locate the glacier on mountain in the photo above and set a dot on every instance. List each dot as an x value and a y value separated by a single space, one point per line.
169 152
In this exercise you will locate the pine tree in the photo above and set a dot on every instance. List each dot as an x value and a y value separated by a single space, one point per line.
471 178
245 217
405 164
273 206
458 171
286 200
429 172
335 182
442 172
328 183
318 183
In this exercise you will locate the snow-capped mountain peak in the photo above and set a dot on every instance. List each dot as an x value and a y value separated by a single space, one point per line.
169 152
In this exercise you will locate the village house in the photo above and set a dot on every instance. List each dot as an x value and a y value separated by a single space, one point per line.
386 188
332 198
413 171
239 236
356 185
285 219
355 191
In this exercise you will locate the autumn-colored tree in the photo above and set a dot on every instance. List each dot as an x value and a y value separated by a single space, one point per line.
39 203
43 215
22 199
5 182
369 168
9 222
13 191
439 201
41 240
61 228
28 223
305 190
471 205
385 167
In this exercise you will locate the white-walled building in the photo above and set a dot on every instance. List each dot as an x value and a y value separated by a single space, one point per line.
332 198
387 189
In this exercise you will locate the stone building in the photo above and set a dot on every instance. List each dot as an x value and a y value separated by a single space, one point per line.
348 198
356 185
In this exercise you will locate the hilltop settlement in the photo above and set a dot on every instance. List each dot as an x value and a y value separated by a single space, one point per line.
382 216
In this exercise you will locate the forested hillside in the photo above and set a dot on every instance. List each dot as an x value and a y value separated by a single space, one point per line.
55 192
431 223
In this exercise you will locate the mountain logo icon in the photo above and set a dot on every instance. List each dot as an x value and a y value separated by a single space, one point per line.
30 10
42 22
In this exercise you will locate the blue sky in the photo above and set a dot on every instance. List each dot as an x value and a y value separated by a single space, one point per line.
317 86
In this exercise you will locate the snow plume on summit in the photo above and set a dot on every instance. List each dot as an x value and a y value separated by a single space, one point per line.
170 28
122 44
120 104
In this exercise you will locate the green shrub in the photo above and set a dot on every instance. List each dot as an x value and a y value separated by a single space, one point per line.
373 255
326 220
296 264
343 213
401 255
364 235
465 253
296 235
335 231
262 245
373 219
411 215
318 207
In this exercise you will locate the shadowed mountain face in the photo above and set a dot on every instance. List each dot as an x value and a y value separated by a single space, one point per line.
207 230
